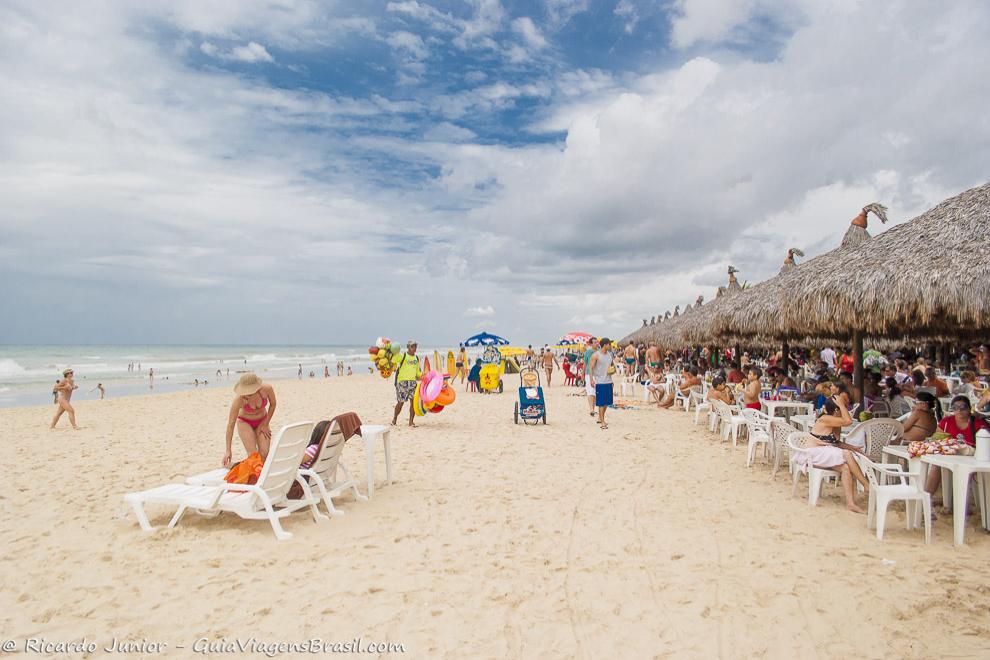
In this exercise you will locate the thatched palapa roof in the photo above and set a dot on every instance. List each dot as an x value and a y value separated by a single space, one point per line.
925 278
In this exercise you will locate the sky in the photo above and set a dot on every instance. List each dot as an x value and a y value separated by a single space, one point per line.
294 171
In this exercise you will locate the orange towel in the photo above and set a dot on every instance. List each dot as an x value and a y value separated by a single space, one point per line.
247 471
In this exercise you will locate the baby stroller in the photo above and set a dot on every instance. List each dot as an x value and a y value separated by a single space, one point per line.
530 407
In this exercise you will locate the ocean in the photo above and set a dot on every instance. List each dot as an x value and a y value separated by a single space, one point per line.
27 373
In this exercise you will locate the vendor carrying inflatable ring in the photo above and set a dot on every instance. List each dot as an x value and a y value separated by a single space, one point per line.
407 373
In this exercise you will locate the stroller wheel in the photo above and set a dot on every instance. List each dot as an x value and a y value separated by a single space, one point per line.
515 414
544 417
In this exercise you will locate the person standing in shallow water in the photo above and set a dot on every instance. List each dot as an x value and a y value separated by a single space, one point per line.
64 390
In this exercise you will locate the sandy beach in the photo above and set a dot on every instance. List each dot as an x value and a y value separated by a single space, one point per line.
646 540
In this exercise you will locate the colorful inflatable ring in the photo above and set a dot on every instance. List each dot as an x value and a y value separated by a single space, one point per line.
446 396
433 383
417 404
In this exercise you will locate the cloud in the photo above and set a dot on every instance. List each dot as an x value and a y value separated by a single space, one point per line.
560 12
633 183
526 28
712 21
484 325
480 311
251 53
627 11
408 42
471 33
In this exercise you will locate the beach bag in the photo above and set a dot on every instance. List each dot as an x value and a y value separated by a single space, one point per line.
247 471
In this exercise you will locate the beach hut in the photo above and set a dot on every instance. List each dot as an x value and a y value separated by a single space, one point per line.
927 278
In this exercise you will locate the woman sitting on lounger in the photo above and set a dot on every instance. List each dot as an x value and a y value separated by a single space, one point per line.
251 412
827 452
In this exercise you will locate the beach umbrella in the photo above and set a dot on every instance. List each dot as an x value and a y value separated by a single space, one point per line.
576 338
485 339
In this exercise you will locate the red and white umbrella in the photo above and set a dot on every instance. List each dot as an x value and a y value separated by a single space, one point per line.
576 338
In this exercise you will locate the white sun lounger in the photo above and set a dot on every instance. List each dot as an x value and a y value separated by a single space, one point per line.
322 474
264 501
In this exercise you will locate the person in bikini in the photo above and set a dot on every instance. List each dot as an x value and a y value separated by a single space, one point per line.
548 359
460 365
923 420
63 394
826 451
251 412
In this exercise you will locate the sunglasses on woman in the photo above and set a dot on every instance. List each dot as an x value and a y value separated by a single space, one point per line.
960 406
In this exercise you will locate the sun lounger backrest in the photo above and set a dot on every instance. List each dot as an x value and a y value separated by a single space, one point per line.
329 457
878 433
284 455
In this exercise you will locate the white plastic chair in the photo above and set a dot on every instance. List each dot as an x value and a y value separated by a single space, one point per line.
882 495
730 421
266 500
875 434
628 384
699 408
684 398
801 442
697 396
757 432
780 430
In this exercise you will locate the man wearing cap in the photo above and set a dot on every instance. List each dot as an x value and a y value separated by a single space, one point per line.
64 390
407 373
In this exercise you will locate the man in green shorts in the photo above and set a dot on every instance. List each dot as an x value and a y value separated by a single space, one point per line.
407 373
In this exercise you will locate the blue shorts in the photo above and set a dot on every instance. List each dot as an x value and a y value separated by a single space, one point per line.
603 394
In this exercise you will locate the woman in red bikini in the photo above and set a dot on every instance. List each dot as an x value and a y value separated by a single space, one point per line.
251 411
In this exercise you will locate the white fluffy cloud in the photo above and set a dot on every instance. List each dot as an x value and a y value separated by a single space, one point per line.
251 52
145 194
723 160
480 311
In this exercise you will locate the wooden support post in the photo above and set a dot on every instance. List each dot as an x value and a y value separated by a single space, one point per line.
786 352
858 368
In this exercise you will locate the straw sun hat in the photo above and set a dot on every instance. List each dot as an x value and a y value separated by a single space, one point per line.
247 384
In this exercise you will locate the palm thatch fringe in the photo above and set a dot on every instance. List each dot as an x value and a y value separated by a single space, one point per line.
929 277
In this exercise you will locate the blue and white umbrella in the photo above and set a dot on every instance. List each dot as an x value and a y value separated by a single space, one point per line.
485 339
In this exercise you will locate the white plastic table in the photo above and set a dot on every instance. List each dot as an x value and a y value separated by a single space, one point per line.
370 433
961 468
772 406
807 422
